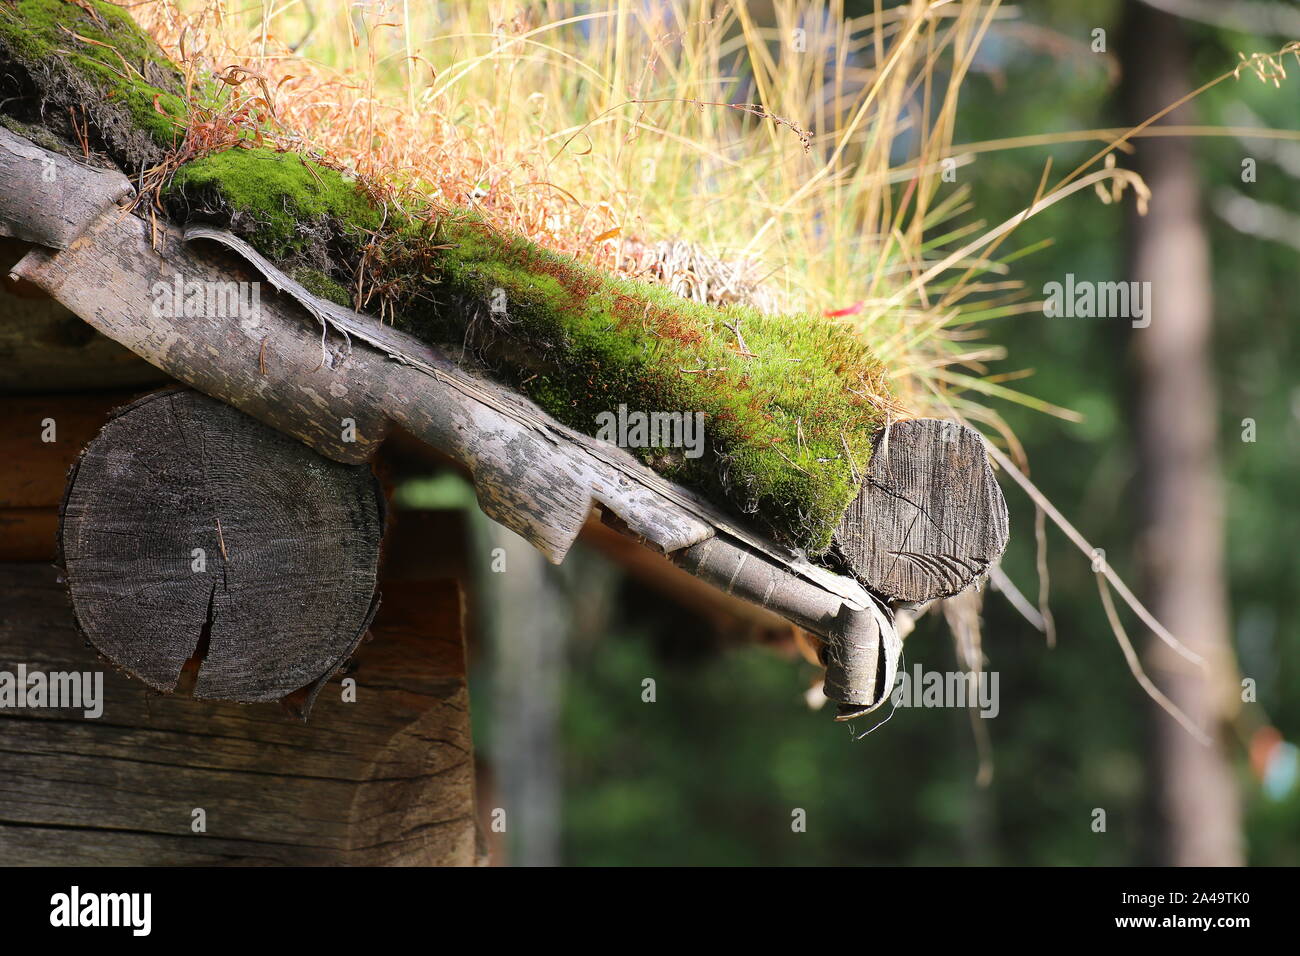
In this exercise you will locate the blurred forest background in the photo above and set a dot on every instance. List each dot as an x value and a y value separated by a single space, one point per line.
712 772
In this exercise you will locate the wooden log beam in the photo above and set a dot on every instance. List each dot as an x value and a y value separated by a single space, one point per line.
49 198
191 531
115 280
383 775
734 618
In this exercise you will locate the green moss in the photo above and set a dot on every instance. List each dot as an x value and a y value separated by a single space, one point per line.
322 286
96 58
288 208
787 421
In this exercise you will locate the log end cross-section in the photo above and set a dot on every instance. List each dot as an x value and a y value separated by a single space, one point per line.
930 518
193 533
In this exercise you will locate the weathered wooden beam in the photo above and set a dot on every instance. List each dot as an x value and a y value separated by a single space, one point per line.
193 533
383 774
930 519
49 198
115 280
898 543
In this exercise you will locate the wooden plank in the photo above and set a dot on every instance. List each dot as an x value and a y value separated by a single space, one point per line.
29 534
45 348
36 471
339 399
387 779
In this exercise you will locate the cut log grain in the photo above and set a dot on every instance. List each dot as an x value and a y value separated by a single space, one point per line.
384 779
190 529
930 518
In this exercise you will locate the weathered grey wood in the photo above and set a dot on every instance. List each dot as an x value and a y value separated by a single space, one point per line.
113 277
531 474
387 779
275 367
930 517
191 530
666 515
47 197
862 645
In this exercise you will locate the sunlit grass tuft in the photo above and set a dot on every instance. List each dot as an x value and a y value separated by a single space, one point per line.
794 163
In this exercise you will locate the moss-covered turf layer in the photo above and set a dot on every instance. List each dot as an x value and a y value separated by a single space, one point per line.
787 419
787 416
287 207
93 59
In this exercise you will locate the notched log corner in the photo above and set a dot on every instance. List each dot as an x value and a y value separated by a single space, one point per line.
930 518
192 534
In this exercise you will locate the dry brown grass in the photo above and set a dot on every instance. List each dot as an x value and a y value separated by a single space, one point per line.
794 163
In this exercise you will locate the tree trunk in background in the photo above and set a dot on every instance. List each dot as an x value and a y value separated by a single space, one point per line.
1181 495
528 622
